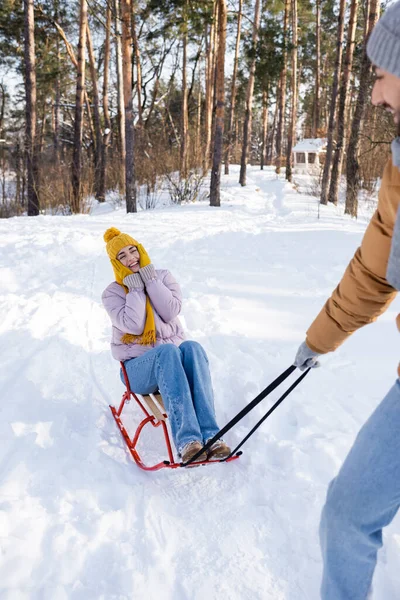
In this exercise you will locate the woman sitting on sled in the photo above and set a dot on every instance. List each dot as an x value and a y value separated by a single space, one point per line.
143 304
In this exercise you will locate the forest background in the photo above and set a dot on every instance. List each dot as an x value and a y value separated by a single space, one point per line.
123 97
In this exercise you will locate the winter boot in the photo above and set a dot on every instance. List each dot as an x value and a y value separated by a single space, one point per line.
219 450
190 450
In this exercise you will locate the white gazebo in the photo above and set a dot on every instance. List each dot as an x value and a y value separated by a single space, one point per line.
306 155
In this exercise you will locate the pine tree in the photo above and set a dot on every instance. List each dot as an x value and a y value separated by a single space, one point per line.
30 91
106 111
233 88
220 106
332 110
76 201
96 111
343 105
120 90
293 112
316 122
249 96
282 95
130 181
352 162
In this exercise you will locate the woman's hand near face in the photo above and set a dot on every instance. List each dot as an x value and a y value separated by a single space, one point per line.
120 269
144 257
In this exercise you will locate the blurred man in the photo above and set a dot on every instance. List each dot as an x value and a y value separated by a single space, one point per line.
365 495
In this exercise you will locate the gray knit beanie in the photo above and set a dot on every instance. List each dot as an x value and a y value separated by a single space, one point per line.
383 47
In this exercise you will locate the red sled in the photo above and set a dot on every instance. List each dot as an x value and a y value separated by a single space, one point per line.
154 414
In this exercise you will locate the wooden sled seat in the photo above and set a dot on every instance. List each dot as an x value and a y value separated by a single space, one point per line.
155 405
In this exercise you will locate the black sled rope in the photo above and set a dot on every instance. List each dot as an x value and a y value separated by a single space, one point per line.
268 390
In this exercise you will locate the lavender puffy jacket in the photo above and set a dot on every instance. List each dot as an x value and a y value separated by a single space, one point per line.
128 313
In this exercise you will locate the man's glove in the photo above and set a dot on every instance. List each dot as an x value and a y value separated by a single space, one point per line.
306 358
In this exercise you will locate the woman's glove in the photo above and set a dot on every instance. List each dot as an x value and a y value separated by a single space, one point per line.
147 273
144 257
306 358
120 271
133 282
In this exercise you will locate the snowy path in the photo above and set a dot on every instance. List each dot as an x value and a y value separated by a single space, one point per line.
78 521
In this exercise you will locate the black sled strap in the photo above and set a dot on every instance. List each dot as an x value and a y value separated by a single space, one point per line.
270 411
268 390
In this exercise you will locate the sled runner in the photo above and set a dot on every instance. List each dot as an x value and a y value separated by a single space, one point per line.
154 414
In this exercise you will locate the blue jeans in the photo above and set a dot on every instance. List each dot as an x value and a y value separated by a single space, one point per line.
182 375
361 500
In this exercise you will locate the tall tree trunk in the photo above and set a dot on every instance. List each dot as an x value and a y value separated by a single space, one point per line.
2 109
366 7
249 97
235 143
270 158
57 100
233 89
89 118
40 137
184 109
120 91
209 75
2 149
264 141
214 70
343 105
282 95
332 109
130 183
138 63
19 173
96 111
293 118
76 203
198 125
106 112
317 119
57 95
30 111
324 108
352 164
350 104
215 199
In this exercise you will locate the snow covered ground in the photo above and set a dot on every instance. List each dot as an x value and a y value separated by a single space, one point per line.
78 520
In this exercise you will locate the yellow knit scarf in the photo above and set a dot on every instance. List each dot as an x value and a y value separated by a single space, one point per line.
148 337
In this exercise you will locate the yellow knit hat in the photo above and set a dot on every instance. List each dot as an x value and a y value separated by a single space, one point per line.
116 240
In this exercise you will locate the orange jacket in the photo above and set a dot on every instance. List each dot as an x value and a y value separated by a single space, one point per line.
364 292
